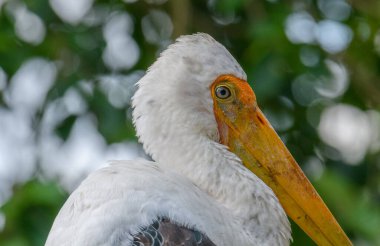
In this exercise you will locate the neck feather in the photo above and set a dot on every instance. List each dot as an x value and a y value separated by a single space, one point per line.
220 173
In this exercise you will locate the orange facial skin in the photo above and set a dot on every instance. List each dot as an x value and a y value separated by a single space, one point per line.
246 131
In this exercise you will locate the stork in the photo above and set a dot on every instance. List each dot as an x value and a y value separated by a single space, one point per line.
220 175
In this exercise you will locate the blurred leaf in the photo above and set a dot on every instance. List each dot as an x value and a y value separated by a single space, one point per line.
229 5
30 213
356 212
64 128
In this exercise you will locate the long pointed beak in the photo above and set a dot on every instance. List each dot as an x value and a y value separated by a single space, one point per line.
244 128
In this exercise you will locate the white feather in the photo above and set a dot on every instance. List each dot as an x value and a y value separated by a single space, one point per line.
115 202
195 181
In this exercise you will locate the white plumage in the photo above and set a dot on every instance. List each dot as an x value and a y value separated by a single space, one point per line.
195 181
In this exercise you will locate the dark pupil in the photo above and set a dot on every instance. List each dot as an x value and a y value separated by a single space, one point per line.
222 92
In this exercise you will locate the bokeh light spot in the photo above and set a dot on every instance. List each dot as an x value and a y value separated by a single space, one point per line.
122 51
347 129
335 9
299 28
157 27
333 36
28 26
71 11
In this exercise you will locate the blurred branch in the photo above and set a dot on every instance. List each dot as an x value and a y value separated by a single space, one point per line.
370 8
181 11
364 81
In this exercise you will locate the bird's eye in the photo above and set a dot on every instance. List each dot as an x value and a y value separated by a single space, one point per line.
222 92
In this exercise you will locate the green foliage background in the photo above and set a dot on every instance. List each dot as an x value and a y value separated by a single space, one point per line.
254 32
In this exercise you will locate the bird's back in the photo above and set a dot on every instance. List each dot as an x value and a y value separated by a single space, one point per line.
117 205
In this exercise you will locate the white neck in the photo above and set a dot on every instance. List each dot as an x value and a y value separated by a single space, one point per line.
220 173
174 119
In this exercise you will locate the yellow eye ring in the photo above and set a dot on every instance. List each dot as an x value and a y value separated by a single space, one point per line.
222 92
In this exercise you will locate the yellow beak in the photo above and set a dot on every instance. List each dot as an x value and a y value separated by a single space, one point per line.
245 130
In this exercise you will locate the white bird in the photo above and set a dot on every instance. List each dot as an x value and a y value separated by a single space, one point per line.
221 174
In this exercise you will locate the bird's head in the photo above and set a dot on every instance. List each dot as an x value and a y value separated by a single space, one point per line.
196 87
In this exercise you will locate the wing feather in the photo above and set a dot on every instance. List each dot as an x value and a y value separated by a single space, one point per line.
164 232
116 202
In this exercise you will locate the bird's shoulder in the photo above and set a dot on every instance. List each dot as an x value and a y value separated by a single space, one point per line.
115 203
